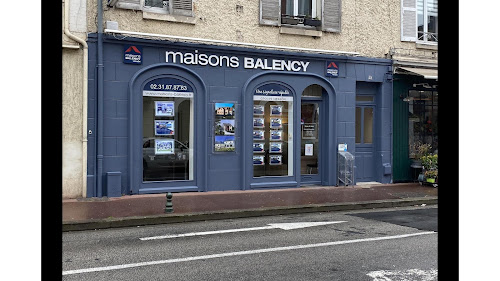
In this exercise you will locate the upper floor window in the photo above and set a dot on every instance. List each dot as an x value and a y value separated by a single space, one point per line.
306 8
156 6
172 7
427 20
419 21
324 15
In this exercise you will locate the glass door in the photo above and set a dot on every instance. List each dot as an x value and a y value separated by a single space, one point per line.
310 146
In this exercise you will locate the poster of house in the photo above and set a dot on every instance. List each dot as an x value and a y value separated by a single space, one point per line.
258 134
258 110
275 147
164 108
224 127
224 110
276 110
258 159
258 147
224 144
164 127
275 122
164 146
258 122
275 160
276 135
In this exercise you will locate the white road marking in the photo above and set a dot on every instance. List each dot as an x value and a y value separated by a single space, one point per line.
285 226
411 274
241 253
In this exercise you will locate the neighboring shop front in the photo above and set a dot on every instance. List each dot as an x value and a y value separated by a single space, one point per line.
415 102
190 117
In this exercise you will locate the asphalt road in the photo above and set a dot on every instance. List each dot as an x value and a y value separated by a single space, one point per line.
389 245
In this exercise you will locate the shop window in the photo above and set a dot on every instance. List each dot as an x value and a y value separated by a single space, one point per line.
422 119
272 144
167 132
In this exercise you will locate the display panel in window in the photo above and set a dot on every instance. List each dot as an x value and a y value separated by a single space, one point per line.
272 148
167 138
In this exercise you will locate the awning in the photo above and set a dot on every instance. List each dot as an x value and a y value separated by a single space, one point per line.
425 72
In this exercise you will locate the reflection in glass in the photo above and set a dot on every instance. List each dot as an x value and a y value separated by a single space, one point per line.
166 148
368 125
309 148
272 142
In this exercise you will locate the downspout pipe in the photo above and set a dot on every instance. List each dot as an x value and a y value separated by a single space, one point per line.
84 94
100 100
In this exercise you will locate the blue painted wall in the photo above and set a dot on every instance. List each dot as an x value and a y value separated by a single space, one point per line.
226 171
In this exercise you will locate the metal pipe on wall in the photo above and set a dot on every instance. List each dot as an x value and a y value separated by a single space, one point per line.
84 94
100 100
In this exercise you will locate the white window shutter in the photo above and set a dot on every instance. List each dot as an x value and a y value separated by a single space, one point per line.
409 20
128 4
269 12
331 18
182 7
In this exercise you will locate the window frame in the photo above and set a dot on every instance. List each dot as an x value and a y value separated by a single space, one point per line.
314 8
425 32
156 10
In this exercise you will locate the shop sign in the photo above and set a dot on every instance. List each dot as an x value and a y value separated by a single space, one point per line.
197 58
332 70
132 54
272 92
167 87
309 131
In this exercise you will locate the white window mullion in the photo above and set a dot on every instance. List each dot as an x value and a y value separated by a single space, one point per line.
313 11
425 21
295 7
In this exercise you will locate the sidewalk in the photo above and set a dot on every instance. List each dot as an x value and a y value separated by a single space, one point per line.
135 210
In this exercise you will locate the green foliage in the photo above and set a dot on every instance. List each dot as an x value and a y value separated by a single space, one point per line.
431 174
430 161
418 150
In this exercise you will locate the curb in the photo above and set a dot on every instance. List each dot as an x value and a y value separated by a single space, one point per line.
245 213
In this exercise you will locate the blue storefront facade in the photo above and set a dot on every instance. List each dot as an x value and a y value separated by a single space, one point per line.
179 117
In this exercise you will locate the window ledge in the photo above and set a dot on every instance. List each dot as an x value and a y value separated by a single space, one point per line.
168 17
300 31
426 45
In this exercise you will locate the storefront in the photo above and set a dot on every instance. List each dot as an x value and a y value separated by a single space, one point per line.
415 118
194 117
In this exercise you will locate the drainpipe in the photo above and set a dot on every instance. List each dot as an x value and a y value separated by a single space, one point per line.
100 99
84 94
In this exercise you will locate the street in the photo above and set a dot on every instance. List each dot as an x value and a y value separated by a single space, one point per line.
383 244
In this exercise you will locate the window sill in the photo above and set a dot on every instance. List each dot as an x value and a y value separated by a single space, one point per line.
168 17
300 31
426 45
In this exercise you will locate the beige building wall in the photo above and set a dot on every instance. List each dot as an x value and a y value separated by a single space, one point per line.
73 149
72 123
370 28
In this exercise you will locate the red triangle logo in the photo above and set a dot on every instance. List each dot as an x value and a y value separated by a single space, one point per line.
332 64
132 48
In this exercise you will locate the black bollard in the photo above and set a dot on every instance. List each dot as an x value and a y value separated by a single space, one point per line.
168 206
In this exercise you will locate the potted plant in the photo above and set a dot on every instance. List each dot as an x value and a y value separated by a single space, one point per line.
312 21
417 151
430 161
430 164
431 176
